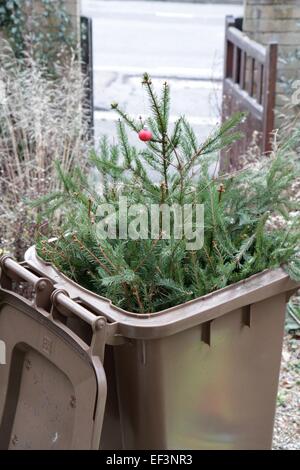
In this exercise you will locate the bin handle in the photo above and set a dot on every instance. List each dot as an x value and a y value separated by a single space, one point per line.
52 299
68 307
63 304
13 271
57 300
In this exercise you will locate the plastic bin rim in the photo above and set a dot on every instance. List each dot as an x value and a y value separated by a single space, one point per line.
180 317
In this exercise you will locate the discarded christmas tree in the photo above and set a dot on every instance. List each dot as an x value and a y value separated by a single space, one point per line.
154 270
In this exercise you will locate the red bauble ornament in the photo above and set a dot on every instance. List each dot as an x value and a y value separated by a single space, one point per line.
145 135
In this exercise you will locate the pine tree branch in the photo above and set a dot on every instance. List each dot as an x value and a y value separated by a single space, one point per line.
147 82
83 247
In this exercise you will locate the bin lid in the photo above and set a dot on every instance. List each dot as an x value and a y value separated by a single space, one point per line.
53 385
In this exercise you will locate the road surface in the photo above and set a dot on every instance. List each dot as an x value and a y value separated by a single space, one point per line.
179 42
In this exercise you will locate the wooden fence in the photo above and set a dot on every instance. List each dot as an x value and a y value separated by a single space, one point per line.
249 85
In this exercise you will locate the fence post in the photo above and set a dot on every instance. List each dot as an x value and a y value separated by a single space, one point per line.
269 95
86 45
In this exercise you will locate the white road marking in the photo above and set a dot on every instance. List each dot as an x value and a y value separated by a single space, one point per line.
171 14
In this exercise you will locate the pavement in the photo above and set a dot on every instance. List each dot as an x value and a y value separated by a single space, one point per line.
182 43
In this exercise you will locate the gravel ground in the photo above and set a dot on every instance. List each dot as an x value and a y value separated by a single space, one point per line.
287 421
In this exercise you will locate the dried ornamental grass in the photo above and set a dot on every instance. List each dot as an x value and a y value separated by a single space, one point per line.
42 120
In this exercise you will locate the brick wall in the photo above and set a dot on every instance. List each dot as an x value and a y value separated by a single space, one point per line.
278 20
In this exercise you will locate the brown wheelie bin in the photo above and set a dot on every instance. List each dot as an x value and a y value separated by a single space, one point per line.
52 384
202 375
